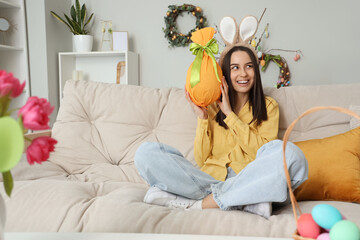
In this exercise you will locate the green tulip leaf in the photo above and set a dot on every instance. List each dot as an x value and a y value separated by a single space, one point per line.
11 143
8 182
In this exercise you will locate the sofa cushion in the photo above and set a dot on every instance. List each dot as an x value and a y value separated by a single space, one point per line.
100 126
295 100
334 168
354 122
74 206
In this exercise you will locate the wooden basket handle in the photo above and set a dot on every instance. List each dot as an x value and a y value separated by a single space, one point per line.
294 203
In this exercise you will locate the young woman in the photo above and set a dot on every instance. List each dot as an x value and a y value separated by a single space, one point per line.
240 160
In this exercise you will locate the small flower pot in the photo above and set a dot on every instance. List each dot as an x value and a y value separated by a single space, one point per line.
82 43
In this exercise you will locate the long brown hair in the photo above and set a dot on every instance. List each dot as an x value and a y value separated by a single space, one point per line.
256 94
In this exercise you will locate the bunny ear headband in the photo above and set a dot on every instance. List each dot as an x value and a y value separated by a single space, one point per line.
234 36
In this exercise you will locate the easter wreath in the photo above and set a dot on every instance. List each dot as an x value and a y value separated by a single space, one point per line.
175 38
284 76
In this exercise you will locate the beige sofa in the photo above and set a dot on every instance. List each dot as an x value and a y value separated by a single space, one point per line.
90 183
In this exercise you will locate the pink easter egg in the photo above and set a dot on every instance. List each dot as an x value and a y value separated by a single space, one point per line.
307 227
323 236
297 57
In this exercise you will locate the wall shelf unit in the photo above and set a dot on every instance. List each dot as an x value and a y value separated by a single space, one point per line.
10 48
7 4
99 67
13 46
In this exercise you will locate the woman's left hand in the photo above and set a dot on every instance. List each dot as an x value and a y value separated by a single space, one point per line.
224 104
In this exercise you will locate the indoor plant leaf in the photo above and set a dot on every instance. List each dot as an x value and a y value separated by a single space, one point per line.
77 28
70 21
61 20
89 19
73 13
74 25
83 14
78 12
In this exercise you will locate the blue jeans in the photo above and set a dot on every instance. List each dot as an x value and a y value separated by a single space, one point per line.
262 180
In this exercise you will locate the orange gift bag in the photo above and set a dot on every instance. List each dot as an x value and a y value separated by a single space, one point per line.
204 75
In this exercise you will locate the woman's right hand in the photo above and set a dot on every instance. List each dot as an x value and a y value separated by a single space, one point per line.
201 112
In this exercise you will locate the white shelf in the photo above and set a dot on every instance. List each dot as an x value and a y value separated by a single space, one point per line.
6 4
95 54
11 48
98 66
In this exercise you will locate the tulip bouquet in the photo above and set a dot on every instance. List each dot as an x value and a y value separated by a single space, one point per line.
34 115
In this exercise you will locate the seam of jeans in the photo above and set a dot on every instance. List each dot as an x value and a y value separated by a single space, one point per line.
216 197
201 188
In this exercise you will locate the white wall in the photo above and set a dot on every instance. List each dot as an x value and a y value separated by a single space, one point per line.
327 32
45 40
37 47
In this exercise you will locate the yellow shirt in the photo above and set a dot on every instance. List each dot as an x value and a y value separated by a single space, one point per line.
216 148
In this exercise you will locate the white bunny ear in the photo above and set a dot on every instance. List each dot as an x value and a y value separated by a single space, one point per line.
248 28
228 30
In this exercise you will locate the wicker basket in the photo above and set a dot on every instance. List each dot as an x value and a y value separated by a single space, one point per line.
294 203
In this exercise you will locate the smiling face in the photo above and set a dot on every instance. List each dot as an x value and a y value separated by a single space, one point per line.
242 73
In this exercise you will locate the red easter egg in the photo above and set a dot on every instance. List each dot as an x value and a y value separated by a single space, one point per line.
307 227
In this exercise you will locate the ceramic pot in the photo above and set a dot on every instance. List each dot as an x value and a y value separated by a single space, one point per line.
2 217
82 43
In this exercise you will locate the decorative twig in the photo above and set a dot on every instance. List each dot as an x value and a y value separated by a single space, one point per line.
284 50
217 31
262 16
262 34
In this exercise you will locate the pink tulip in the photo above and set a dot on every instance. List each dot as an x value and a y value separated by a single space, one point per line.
10 85
35 113
39 150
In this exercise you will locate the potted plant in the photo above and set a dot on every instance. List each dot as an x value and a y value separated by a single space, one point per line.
82 42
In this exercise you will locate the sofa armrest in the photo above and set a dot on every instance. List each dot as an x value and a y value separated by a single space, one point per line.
34 135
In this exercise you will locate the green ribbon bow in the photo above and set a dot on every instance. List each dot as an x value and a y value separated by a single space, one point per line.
211 48
273 58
